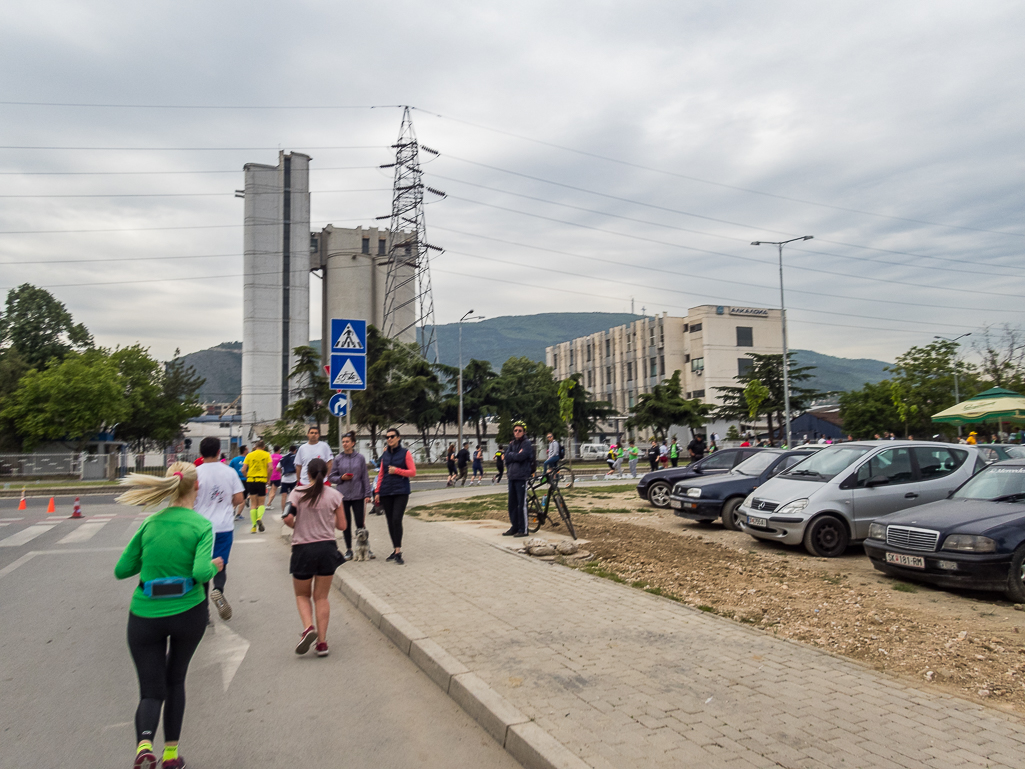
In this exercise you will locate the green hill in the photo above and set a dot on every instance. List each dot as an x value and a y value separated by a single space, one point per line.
498 339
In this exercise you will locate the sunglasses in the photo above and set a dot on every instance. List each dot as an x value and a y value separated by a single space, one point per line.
389 437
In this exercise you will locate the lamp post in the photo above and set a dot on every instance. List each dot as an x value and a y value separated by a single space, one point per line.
783 319
957 394
465 317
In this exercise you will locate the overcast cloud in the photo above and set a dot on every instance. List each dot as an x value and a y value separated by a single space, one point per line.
891 131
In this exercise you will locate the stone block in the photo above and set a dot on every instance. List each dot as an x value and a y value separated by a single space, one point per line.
401 632
535 748
438 664
486 706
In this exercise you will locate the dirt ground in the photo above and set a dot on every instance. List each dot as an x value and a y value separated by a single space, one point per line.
972 644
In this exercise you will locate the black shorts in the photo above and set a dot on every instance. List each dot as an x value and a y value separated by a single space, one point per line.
287 488
315 559
256 488
276 484
451 468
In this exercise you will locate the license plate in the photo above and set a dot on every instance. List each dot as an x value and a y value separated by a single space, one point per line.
690 505
752 521
676 503
914 561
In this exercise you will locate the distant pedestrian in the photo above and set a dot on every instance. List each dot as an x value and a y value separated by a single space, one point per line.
499 463
610 459
220 491
350 477
663 455
314 511
553 453
696 448
289 478
274 478
653 455
463 462
674 453
633 454
314 447
256 468
171 554
391 489
478 465
519 456
236 465
450 459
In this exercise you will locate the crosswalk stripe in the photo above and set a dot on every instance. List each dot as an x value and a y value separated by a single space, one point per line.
83 533
12 519
26 535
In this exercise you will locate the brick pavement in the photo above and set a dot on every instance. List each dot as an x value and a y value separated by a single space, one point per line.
623 678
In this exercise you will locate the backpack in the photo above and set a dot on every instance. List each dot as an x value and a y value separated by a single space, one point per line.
562 451
287 464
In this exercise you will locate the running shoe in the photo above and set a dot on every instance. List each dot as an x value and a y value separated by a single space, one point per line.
392 557
259 523
223 607
348 555
322 649
371 556
309 635
398 559
252 530
174 763
145 760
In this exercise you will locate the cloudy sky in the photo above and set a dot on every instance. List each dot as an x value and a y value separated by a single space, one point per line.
594 154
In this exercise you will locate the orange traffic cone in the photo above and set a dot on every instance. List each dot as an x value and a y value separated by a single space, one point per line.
51 508
77 513
22 505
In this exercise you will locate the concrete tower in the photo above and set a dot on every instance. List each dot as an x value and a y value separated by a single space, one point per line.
276 296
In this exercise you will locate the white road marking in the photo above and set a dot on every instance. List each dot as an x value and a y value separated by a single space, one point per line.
29 556
83 533
225 648
12 519
26 535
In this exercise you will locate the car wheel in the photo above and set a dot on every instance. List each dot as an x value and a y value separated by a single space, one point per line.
729 514
1016 577
658 494
826 537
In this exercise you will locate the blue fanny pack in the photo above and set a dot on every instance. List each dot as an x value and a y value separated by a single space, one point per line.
167 587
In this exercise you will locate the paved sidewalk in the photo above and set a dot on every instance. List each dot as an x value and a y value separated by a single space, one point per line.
625 679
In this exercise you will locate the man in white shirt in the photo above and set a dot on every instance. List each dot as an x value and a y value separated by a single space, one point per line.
309 451
220 492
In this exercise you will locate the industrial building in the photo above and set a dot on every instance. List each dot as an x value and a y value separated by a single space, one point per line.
709 346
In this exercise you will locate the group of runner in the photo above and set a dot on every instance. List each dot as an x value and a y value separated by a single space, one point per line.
180 554
459 461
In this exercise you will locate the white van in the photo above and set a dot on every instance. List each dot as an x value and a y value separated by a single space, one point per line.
593 451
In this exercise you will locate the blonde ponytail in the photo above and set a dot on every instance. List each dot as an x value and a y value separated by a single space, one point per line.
150 490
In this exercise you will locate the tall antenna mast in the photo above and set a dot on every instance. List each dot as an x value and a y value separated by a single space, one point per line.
408 299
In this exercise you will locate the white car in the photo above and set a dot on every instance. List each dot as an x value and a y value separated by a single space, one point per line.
593 451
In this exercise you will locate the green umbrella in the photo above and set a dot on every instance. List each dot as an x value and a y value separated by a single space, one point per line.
993 404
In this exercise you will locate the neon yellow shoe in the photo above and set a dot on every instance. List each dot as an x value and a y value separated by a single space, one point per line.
252 530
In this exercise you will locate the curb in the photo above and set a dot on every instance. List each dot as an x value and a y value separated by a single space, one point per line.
523 739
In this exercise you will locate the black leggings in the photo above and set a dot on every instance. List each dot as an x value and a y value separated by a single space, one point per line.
353 509
394 508
162 671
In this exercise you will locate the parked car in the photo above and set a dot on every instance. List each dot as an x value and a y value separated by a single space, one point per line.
998 452
657 485
829 500
592 451
975 539
708 498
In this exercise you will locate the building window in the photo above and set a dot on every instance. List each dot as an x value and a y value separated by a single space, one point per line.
651 336
555 360
654 367
608 348
630 400
695 328
686 358
381 247
629 340
745 336
608 375
698 394
661 335
697 364
744 366
588 352
571 357
685 328
629 372
661 365
588 378
366 245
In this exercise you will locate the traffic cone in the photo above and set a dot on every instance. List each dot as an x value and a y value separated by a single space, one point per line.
22 505
77 513
51 508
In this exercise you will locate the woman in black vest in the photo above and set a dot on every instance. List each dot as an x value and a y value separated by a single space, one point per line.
391 489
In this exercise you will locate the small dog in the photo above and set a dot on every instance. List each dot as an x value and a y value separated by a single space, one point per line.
362 544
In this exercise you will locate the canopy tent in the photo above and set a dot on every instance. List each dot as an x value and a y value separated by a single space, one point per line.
994 404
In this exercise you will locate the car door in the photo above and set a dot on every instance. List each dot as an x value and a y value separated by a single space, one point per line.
938 471
884 484
718 462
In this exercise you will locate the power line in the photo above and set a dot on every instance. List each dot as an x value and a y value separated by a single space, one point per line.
182 194
175 227
186 149
202 106
155 173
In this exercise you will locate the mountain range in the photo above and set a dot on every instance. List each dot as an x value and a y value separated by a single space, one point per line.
498 339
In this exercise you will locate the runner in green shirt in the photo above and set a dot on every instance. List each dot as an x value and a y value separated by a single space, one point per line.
633 454
168 614
674 452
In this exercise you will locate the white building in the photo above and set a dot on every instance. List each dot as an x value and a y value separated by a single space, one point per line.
709 347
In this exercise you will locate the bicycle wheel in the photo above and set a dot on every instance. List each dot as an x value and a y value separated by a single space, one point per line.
565 477
560 505
535 516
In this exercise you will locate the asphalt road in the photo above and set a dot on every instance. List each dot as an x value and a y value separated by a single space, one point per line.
68 690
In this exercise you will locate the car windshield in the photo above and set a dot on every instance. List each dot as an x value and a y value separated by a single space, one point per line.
826 464
1016 452
996 483
757 464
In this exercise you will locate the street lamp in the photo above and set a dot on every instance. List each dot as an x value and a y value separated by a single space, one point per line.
783 319
957 394
465 317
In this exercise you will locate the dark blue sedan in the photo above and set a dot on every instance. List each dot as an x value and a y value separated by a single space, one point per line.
705 499
975 539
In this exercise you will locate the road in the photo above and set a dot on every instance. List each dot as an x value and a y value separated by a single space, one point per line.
68 690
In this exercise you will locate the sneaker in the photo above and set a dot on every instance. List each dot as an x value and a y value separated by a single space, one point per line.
252 530
391 557
371 556
348 555
509 533
309 635
223 607
174 763
260 524
322 649
145 760
398 559
520 534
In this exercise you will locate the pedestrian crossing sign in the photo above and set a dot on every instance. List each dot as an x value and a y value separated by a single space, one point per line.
348 372
349 336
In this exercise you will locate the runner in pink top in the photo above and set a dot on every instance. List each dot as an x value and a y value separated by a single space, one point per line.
274 479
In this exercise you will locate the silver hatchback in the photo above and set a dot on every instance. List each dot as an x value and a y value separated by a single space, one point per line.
829 500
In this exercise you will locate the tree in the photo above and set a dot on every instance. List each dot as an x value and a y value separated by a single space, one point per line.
72 400
526 390
665 406
754 395
179 399
479 394
39 327
310 389
284 433
424 402
587 412
383 403
768 370
923 385
1002 351
869 411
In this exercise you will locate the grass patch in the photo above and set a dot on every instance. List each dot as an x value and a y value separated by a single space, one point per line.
641 584
904 587
611 510
833 579
706 607
595 568
599 491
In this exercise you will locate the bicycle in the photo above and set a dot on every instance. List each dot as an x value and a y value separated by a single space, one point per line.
565 475
537 509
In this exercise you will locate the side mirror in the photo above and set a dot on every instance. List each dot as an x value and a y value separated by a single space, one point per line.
877 480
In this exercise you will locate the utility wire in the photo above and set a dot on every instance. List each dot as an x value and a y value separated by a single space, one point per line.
186 149
155 173
203 106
